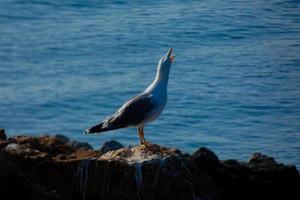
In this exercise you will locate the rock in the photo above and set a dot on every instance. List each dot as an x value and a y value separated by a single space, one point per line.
260 160
27 145
205 157
234 164
2 134
61 138
54 146
73 143
50 168
261 178
81 145
267 167
139 154
231 164
3 143
110 146
12 139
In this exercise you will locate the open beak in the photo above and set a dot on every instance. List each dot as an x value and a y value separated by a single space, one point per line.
170 56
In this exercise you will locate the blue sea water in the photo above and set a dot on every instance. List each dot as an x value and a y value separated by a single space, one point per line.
234 86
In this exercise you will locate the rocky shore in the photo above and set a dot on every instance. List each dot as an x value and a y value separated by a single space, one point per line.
45 167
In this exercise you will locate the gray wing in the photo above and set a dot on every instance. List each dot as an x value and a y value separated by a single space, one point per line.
132 113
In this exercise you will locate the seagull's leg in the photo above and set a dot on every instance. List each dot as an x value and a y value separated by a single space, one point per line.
143 137
141 133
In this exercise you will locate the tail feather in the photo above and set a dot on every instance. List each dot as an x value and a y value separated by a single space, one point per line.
99 128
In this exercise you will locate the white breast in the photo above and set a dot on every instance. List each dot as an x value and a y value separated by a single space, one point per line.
158 91
159 98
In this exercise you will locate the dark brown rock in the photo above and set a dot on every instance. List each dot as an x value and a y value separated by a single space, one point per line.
62 138
80 145
73 143
261 160
2 134
4 143
110 146
50 168
206 157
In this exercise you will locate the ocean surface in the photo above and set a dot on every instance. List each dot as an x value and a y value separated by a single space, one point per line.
234 86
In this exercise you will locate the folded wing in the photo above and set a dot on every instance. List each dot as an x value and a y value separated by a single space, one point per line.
132 113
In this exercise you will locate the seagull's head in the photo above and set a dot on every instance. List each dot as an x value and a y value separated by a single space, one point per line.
168 58
166 61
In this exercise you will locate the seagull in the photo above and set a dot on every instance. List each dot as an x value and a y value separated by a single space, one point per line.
142 108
